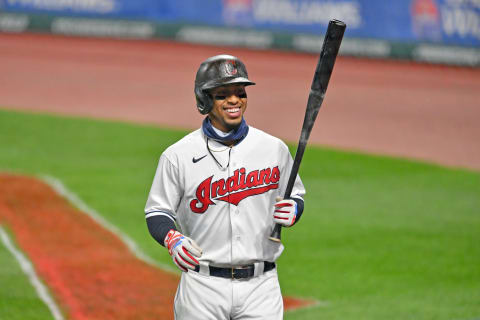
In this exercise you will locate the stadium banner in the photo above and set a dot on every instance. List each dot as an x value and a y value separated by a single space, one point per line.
448 22
434 31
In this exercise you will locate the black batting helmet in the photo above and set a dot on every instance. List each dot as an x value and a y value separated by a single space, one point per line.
215 72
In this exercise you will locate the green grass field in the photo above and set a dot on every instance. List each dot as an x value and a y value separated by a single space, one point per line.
381 238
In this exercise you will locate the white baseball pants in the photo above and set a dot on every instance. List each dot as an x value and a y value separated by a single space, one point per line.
202 297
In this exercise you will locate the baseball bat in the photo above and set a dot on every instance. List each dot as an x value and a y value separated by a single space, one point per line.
323 71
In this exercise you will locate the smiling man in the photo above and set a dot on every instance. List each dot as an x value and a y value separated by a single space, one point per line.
229 104
215 199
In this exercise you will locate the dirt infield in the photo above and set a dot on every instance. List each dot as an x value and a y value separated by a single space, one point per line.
90 271
403 109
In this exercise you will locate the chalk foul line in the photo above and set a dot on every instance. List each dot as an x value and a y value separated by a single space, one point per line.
61 189
28 269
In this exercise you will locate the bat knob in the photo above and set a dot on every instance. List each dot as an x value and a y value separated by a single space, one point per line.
276 233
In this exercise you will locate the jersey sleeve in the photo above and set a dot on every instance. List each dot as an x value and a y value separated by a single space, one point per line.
165 193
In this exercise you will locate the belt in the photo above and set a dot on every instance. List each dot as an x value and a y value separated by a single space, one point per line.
244 272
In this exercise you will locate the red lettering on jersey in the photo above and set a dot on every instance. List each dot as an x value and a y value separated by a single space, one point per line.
243 176
252 179
235 198
218 187
265 176
203 197
275 177
236 188
232 182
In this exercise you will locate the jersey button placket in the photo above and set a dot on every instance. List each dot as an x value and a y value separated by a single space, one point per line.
233 210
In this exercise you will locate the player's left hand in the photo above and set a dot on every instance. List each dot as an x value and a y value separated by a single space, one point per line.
285 212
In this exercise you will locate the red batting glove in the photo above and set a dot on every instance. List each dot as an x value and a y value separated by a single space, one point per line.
183 250
285 212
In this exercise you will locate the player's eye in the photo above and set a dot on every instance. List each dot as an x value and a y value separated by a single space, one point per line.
242 95
220 97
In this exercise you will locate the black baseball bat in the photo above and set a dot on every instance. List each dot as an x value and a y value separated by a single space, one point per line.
326 61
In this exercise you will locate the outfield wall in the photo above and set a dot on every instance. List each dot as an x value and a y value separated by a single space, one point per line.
438 31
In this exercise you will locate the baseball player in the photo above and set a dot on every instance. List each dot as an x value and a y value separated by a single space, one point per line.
215 199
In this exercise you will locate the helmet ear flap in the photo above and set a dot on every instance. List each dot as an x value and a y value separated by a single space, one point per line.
204 101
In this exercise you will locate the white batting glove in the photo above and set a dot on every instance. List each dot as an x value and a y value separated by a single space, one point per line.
285 212
183 250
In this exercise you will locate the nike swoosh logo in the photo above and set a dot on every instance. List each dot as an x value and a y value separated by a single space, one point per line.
198 159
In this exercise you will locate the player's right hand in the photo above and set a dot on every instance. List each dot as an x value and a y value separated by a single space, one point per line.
183 250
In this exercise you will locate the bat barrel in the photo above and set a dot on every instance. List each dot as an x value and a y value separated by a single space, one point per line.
328 55
338 23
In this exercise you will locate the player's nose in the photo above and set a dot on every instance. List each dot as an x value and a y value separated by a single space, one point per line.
233 98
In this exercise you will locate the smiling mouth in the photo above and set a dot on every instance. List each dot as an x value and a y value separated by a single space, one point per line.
232 110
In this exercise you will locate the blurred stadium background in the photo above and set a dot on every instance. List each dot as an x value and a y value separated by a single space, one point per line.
379 101
406 86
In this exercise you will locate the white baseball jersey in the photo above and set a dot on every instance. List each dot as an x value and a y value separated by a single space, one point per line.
222 197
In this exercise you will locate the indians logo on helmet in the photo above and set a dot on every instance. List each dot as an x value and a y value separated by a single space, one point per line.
231 67
236 188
